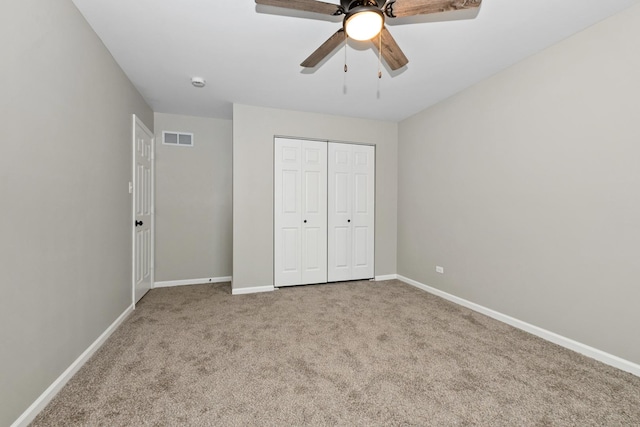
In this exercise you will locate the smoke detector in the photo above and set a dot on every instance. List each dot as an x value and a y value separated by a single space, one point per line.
198 81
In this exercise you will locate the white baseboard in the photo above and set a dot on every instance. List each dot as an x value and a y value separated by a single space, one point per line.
386 277
576 346
252 290
186 282
44 399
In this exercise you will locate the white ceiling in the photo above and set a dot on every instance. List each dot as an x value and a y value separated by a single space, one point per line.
251 55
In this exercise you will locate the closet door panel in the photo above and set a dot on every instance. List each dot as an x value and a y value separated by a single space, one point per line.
314 212
287 212
339 209
360 246
363 215
342 248
290 252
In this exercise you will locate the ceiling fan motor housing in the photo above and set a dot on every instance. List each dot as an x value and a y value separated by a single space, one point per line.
349 5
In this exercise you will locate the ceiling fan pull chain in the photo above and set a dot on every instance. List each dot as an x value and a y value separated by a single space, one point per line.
346 38
380 55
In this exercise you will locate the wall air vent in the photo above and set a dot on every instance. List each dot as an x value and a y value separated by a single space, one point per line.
181 139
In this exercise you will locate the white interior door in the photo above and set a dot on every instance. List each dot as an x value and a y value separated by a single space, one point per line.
314 212
287 212
339 207
143 148
351 208
300 212
363 211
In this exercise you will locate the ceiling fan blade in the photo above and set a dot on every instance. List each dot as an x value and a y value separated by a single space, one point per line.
401 8
305 5
327 47
391 52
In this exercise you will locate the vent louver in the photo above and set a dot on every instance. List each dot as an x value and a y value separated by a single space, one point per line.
181 139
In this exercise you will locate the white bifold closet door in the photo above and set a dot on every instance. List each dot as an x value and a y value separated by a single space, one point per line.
351 204
300 212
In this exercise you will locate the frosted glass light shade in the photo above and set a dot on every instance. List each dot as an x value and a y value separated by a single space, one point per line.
364 25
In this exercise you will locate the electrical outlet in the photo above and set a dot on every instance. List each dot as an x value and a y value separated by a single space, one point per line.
439 269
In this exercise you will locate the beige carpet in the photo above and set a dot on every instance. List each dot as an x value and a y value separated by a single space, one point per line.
359 353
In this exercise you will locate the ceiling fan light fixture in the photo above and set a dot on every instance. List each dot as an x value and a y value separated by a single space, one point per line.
364 24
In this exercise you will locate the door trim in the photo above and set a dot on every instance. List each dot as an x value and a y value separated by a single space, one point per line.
132 186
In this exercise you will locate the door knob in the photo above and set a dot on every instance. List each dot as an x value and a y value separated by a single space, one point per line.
305 221
348 220
138 223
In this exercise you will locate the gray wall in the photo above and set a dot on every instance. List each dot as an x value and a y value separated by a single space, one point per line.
193 200
526 189
253 132
65 250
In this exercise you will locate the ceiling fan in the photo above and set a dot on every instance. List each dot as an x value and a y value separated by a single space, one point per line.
364 20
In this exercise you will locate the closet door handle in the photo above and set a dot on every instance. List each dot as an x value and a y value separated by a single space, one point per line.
348 220
305 221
